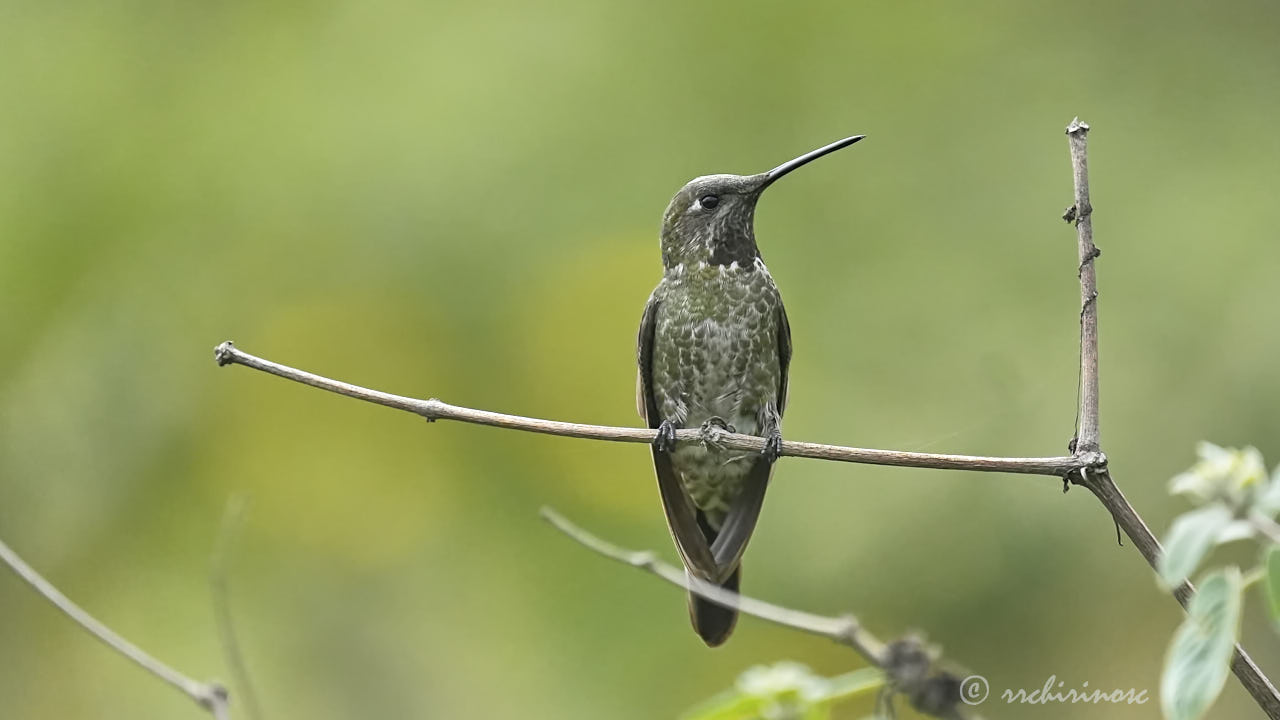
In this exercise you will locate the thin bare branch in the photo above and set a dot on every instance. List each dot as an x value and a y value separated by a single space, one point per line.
1097 478
210 696
232 520
1100 483
1082 213
432 409
844 630
893 658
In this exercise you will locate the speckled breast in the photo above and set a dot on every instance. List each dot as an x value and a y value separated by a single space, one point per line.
715 354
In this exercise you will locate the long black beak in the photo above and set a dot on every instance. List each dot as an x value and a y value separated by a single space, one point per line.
786 167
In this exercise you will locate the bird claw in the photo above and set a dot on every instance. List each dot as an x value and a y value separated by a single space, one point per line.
772 447
712 430
666 437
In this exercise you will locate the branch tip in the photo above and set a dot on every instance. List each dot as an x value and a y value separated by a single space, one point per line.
225 354
1077 127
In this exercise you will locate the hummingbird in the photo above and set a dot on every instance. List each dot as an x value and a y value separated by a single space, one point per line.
713 352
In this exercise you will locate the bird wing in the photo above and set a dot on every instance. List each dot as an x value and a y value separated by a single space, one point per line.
784 359
681 519
740 521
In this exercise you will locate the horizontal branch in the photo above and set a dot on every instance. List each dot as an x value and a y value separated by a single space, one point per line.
210 696
433 409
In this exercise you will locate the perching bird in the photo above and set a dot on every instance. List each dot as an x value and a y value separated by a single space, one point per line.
713 351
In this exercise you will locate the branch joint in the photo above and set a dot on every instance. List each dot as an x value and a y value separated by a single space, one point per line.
432 409
213 697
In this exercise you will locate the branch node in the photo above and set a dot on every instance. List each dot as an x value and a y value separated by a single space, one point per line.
1095 459
1088 303
224 354
431 409
1094 253
213 696
1074 215
643 559
848 632
1092 460
909 665
713 431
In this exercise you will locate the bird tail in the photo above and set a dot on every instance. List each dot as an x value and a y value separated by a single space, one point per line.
713 622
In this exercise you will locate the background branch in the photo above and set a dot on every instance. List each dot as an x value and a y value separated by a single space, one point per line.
936 694
232 520
210 696
432 409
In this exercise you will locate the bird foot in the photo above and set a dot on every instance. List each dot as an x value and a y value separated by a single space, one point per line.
772 447
666 438
713 430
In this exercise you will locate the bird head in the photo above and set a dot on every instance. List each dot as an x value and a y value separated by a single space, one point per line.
712 218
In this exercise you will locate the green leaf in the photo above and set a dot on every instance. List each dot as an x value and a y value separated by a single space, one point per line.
1252 470
845 686
1189 539
1233 531
1271 564
1192 484
1268 502
1199 658
1238 476
728 705
1211 453
785 690
815 712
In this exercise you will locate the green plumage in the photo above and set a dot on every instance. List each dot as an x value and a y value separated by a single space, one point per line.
714 349
715 354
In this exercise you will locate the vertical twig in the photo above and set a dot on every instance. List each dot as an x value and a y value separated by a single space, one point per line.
210 696
1082 214
232 520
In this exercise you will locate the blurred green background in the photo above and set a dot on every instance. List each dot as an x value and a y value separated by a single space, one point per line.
461 200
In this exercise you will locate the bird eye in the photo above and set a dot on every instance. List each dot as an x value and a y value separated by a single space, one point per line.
709 201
